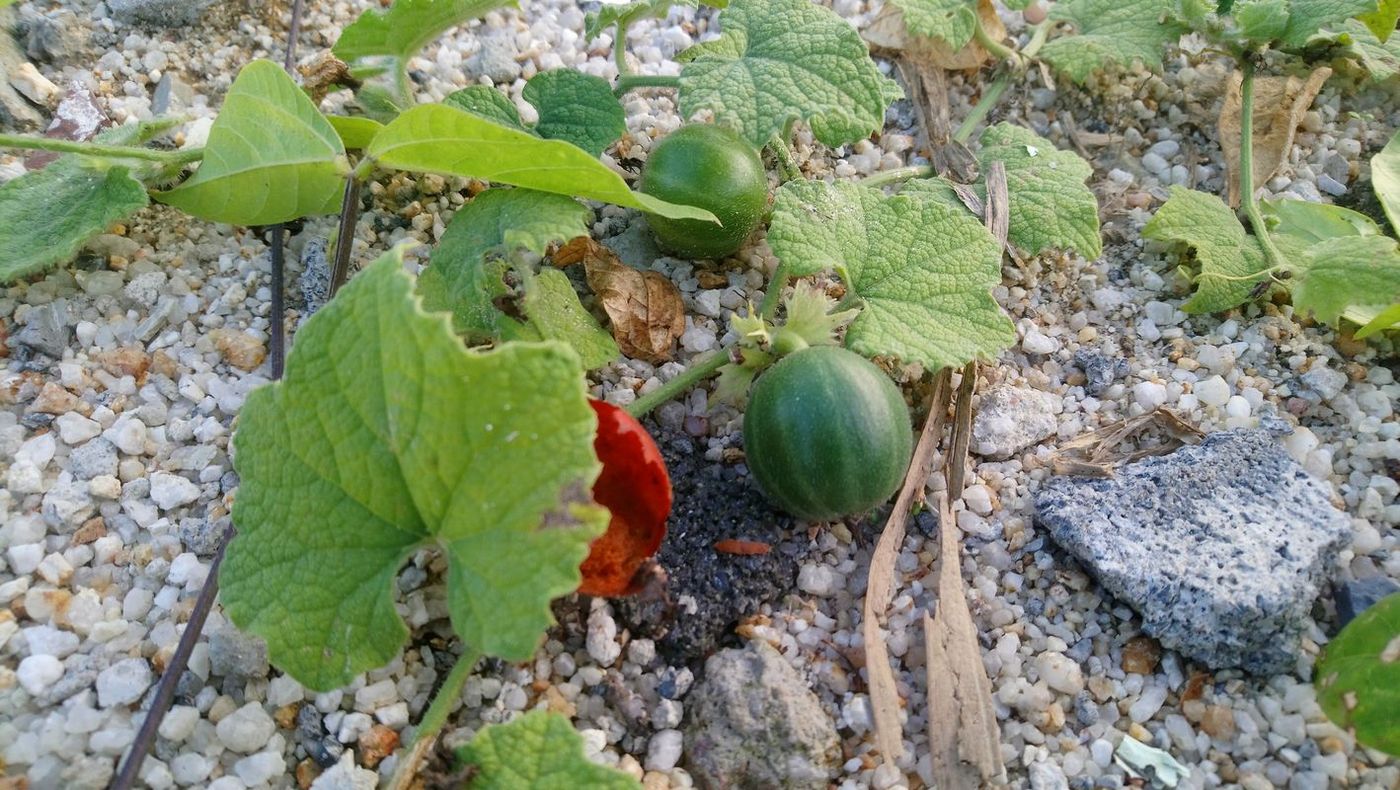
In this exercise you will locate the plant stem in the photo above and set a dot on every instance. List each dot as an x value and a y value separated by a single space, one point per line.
996 48
1272 255
984 106
771 297
345 235
434 719
693 375
620 51
897 175
30 142
787 165
627 82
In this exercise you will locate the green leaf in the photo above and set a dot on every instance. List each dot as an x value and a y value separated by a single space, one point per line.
1381 60
576 107
1231 261
952 21
356 132
489 103
387 436
1050 206
779 61
1383 20
1310 223
398 32
1307 18
1344 272
922 270
1373 320
1358 678
435 138
625 14
1385 178
496 222
47 215
1111 33
1262 20
271 156
553 312
537 751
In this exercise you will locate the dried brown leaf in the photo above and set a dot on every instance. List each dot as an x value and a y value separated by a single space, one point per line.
644 308
887 31
1279 106
998 209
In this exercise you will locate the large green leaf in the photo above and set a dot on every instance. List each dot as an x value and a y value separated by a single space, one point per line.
780 61
1346 272
387 436
1308 222
922 270
1110 33
460 278
1261 20
952 21
47 215
1358 678
1385 178
552 311
271 156
399 31
435 138
1382 21
538 751
575 107
1050 206
1307 18
1231 261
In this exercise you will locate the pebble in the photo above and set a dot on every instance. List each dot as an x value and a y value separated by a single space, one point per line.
37 673
171 491
1213 391
1060 673
819 580
664 751
124 682
246 730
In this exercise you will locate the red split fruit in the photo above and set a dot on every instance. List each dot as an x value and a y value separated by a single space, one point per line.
635 487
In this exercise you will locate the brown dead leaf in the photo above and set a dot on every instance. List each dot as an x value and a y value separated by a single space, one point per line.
324 73
1279 106
886 31
644 308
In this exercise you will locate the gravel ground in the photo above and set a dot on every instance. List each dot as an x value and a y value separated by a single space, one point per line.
123 378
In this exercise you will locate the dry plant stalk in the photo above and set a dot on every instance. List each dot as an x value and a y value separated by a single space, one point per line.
884 698
1096 453
1279 106
644 308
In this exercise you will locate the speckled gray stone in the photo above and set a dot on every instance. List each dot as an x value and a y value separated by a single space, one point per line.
1221 547
1010 419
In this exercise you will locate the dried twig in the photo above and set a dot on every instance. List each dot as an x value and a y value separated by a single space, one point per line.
884 699
1096 453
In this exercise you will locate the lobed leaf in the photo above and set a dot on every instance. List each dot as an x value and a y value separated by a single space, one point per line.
576 107
780 61
950 21
487 102
1307 18
271 156
1262 20
537 751
1380 59
460 278
553 312
1358 678
1231 261
626 13
1050 206
1383 20
47 215
436 138
1110 33
400 30
387 436
1346 272
922 269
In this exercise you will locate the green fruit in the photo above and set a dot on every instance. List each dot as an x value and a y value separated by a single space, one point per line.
827 434
713 168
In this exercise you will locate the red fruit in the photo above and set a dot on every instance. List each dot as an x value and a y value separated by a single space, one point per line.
634 486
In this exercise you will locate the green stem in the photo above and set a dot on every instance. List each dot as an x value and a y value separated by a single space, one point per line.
29 142
628 82
897 175
620 51
434 718
998 49
1039 34
984 106
787 165
1272 255
769 306
693 375
404 86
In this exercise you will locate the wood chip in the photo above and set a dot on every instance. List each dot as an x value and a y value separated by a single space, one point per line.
1279 106
998 207
884 697
644 307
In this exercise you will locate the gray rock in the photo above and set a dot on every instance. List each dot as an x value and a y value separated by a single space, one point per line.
233 653
16 113
1220 546
171 95
202 536
635 245
315 279
48 329
1011 419
96 457
158 13
496 59
753 723
1100 370
1355 597
124 682
55 38
1046 775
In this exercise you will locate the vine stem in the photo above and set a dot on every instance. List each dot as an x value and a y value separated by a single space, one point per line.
693 375
1274 258
620 52
998 49
980 110
787 164
627 82
897 175
30 142
345 234
993 94
434 719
